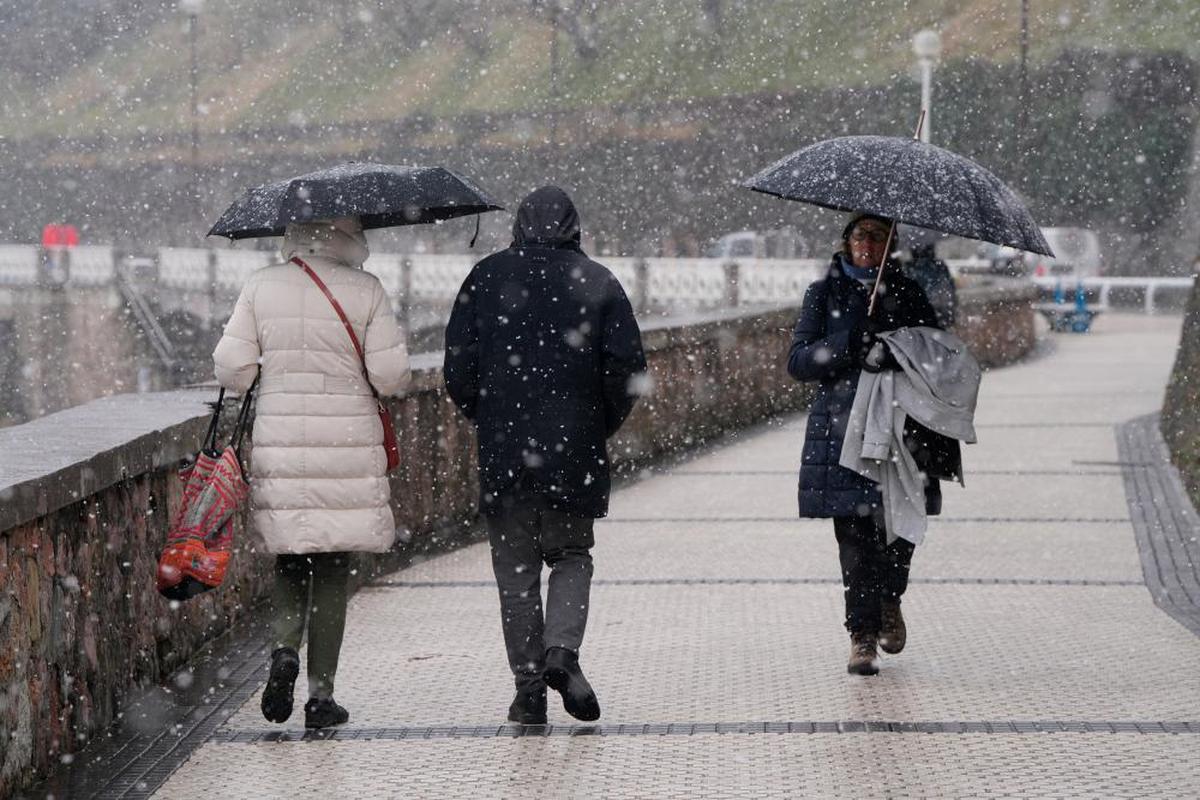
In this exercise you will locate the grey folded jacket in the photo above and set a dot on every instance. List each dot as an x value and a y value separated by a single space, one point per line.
937 385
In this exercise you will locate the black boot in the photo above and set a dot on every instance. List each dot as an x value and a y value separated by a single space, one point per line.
563 675
324 713
529 707
277 696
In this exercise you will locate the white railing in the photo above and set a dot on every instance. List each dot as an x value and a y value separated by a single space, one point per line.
233 267
1104 286
770 280
437 278
625 270
184 268
19 264
390 269
92 265
686 282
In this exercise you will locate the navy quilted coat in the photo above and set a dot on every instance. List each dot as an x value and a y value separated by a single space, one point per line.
822 351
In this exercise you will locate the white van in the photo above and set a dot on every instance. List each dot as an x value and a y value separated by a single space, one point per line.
1076 254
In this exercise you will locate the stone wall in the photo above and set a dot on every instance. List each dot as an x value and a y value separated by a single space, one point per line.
1181 407
995 318
86 495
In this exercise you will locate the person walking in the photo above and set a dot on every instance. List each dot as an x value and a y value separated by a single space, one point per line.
834 339
544 355
932 274
319 491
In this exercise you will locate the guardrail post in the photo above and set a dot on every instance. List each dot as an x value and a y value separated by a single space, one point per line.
54 267
405 304
212 290
1150 287
732 274
641 282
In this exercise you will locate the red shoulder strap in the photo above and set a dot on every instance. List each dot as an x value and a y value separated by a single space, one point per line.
341 314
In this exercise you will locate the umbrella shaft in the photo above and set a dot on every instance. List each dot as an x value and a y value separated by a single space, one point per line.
887 249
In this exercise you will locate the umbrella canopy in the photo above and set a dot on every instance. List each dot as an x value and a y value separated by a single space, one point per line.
908 181
380 195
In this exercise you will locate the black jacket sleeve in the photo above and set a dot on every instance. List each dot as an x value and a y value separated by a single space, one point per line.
815 356
621 358
461 366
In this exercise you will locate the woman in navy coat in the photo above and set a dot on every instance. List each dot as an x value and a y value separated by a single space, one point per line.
833 341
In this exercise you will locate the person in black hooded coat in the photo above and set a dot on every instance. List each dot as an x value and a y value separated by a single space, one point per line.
544 355
833 341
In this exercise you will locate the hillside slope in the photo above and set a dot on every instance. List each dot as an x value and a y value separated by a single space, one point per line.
115 67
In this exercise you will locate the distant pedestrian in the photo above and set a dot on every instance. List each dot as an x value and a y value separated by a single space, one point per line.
833 341
319 489
544 355
932 274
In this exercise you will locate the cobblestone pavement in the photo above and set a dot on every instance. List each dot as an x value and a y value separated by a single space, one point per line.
716 610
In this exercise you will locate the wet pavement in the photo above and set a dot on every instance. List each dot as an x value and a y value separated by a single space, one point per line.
1037 664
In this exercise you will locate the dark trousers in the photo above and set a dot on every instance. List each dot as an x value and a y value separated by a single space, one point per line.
524 534
873 571
311 590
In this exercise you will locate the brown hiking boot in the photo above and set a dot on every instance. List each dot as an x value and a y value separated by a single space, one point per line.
892 634
864 659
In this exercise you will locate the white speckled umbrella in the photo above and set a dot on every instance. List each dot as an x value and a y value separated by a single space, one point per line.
907 181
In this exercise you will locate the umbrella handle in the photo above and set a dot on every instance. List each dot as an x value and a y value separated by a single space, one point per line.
891 234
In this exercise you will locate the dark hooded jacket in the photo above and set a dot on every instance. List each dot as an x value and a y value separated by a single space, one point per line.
542 351
827 347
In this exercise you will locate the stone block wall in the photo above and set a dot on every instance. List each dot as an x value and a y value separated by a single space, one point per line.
996 319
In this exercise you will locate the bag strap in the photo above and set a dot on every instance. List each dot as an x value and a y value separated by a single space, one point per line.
209 442
239 429
341 315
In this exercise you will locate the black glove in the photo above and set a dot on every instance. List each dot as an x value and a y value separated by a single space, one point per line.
863 337
880 358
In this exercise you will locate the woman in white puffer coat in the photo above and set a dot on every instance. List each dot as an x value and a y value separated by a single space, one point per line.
319 488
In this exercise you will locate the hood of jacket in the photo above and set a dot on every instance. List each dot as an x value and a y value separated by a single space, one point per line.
341 240
547 218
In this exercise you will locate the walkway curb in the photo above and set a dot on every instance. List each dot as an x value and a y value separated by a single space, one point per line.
1165 522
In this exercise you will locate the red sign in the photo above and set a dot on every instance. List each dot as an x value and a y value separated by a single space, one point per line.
56 235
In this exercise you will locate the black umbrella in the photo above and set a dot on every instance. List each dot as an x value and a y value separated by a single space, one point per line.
907 181
378 194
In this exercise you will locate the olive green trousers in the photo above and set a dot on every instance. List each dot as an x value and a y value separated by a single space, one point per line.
311 589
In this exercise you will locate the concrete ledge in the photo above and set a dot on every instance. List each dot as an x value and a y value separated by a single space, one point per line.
62 458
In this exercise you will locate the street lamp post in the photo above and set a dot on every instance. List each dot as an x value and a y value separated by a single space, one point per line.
927 45
193 8
1023 85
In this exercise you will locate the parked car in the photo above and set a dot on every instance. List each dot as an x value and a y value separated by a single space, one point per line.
1002 260
782 243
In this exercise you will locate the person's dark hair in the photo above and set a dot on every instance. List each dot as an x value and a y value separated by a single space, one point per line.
857 218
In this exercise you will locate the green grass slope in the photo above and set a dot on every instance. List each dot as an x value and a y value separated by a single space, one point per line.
277 63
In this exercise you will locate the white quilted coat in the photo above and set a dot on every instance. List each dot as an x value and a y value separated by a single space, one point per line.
318 465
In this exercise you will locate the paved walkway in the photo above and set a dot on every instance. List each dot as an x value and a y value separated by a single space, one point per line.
716 647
